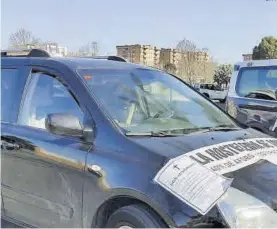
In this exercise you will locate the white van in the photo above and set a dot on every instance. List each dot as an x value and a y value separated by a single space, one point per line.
211 91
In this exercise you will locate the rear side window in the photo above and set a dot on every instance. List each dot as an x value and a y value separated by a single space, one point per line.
11 89
257 82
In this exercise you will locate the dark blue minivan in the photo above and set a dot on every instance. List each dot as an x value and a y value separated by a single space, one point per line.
94 142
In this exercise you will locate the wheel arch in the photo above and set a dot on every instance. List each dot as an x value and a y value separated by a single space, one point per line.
115 202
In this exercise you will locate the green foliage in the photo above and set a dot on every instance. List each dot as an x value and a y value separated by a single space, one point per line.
267 49
222 74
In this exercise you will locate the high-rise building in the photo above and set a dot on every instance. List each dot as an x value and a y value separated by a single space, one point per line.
140 54
171 60
172 56
153 56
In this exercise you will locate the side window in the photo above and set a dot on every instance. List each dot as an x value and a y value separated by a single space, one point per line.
46 95
12 85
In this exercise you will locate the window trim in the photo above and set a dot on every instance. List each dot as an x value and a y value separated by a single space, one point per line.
239 78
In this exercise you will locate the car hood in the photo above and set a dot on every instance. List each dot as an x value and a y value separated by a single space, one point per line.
258 180
171 147
258 114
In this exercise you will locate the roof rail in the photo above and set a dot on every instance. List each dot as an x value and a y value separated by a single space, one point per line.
114 58
25 53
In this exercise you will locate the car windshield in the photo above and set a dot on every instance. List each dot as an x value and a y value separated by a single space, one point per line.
146 100
258 82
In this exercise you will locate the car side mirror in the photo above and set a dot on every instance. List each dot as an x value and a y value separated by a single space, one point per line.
64 124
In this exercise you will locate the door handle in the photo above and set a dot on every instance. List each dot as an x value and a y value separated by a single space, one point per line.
95 169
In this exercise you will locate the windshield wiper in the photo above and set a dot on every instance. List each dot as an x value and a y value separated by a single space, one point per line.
182 132
154 134
262 94
224 128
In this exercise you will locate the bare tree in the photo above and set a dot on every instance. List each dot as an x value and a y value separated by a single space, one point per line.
95 48
90 49
170 68
210 70
188 64
194 64
206 66
83 50
22 38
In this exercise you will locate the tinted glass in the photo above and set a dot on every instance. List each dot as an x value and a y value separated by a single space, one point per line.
46 95
11 89
258 82
142 100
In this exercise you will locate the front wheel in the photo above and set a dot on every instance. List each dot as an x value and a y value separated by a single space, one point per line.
134 216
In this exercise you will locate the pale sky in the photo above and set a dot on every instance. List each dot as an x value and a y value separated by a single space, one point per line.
227 28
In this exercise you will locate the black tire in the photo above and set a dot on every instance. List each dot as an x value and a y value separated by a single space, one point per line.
135 216
222 101
207 95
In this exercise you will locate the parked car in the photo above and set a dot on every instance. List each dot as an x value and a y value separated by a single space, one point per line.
212 91
102 143
252 97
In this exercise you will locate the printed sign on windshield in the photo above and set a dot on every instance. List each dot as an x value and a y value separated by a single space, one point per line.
197 177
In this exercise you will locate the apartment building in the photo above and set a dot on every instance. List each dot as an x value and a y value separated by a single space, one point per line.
202 56
153 56
157 57
172 56
53 48
140 54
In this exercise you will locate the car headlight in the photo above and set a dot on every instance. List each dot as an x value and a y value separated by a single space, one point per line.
243 210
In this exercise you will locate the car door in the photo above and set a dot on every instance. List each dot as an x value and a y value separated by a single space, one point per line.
219 92
12 84
202 88
213 92
44 173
